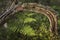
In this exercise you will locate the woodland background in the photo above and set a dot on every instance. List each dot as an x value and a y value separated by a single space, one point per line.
29 25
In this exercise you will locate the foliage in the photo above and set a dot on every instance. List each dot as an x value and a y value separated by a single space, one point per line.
29 25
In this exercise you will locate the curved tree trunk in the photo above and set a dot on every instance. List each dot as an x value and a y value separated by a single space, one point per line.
33 7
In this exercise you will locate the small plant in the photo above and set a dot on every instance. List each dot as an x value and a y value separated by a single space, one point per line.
30 24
